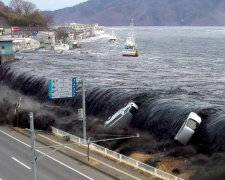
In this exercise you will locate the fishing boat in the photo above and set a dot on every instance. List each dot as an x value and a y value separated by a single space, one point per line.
61 47
73 44
113 38
130 48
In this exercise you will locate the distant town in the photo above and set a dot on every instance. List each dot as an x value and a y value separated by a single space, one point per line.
58 38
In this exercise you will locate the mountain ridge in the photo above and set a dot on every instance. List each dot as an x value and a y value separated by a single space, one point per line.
144 12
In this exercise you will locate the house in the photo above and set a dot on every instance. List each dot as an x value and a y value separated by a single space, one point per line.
45 37
6 51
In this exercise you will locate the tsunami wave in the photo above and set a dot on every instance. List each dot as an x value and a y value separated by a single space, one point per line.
160 114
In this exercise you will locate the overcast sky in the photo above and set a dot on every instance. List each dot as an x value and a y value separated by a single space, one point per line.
51 4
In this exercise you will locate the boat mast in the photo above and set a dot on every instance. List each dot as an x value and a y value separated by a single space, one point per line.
132 31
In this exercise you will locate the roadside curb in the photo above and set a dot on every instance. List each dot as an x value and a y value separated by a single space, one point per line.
83 159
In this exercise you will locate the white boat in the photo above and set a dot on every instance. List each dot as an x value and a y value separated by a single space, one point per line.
113 37
130 48
74 44
61 46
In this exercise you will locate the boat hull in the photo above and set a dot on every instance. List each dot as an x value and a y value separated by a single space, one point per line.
63 47
113 40
130 52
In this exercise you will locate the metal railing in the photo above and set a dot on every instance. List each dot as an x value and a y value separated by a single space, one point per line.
119 157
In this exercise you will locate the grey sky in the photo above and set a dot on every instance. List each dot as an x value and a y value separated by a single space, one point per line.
51 4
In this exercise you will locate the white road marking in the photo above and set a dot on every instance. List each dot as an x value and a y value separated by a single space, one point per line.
21 163
47 156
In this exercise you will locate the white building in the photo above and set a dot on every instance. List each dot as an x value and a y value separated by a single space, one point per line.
46 37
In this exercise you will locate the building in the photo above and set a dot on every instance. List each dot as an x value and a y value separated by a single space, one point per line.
24 44
76 26
6 51
82 31
46 37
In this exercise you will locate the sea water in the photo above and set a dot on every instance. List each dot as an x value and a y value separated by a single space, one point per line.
179 70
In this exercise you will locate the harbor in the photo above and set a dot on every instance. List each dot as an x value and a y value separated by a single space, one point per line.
60 38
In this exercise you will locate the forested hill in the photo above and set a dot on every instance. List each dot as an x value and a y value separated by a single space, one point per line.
22 13
144 12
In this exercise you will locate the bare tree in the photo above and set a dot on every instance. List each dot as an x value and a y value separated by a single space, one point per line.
49 19
28 7
17 6
22 7
3 7
61 35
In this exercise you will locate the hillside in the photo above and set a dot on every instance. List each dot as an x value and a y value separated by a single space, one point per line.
24 15
144 12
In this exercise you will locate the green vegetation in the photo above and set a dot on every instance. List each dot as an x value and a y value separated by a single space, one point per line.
31 19
3 15
23 13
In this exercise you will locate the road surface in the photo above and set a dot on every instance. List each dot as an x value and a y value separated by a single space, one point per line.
15 161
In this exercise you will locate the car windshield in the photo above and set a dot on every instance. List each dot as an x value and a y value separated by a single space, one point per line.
192 124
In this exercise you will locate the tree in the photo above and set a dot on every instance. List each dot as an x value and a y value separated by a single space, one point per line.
35 18
22 7
32 19
61 35
25 13
28 7
4 8
17 6
49 19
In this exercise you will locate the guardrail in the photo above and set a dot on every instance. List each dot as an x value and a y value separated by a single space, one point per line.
119 157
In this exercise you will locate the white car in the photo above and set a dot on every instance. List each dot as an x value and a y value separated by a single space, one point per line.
188 128
122 116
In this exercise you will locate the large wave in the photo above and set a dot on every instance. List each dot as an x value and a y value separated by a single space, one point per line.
160 114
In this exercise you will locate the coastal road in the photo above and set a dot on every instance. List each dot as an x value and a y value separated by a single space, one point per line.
15 161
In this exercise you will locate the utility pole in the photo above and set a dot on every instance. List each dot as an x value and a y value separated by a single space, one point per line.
84 112
34 174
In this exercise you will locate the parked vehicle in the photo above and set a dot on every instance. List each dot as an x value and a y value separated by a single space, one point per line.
188 128
122 116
